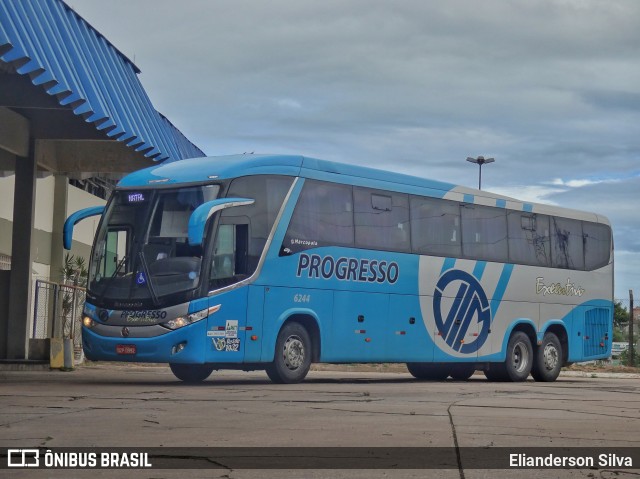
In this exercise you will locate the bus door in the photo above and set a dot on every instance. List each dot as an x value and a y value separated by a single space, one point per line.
226 328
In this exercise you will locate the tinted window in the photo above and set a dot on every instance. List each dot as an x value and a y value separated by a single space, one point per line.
269 193
597 245
529 241
566 244
435 226
322 217
484 233
381 219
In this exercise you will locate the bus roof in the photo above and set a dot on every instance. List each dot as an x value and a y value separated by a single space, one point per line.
210 169
204 170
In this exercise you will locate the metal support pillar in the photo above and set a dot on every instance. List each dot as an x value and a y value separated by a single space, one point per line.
60 200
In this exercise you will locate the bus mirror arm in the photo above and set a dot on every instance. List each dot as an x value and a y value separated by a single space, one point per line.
200 216
72 220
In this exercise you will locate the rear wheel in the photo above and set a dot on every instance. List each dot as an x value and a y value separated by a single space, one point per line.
293 355
519 360
191 373
462 371
428 371
548 359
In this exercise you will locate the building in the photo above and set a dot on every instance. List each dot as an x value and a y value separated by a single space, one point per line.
74 118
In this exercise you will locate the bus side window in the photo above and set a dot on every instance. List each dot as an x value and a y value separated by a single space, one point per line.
435 226
484 233
597 245
529 241
323 216
230 254
567 248
381 219
116 249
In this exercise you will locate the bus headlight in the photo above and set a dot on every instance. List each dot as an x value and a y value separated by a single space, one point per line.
183 321
87 322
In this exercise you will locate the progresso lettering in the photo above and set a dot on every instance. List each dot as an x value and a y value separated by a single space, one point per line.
145 315
348 269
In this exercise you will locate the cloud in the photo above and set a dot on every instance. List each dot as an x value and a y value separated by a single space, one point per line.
551 88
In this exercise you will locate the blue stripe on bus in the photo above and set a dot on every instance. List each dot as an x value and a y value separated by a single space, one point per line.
448 264
501 203
503 282
478 271
468 198
528 207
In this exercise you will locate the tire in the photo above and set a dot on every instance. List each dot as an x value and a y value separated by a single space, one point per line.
518 363
547 361
292 358
191 373
428 371
462 371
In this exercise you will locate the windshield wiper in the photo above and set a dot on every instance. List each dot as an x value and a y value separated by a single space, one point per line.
110 279
149 282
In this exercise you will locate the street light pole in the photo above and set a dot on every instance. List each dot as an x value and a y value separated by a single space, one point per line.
481 160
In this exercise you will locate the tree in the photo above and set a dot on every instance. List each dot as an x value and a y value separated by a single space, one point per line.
620 315
74 270
74 274
620 321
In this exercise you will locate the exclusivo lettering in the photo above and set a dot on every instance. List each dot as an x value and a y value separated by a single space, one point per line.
348 269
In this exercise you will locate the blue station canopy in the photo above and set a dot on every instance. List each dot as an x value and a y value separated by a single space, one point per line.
60 52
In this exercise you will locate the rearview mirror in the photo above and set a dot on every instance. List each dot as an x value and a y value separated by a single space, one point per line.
67 232
202 213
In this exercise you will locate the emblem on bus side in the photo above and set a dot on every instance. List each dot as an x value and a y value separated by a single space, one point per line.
470 301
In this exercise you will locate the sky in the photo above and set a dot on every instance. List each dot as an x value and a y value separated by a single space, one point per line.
549 88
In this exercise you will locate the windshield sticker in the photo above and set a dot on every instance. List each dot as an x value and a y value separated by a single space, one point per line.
348 269
140 278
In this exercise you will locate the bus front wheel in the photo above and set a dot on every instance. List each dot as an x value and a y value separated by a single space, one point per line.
191 373
292 358
548 359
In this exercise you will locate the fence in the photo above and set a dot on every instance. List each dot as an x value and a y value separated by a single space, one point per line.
58 312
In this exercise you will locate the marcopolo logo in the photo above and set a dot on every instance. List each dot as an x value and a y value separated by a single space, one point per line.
469 302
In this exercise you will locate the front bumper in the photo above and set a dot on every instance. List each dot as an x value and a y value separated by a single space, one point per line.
158 349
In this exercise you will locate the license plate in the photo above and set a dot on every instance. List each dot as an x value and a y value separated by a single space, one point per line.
126 349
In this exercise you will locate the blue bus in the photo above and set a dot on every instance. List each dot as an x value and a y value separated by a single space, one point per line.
276 262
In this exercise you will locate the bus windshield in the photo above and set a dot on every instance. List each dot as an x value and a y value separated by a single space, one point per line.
142 251
142 257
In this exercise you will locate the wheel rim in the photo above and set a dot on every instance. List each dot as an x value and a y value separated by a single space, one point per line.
293 352
520 357
550 356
